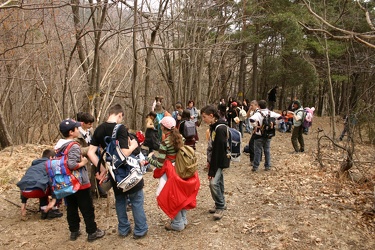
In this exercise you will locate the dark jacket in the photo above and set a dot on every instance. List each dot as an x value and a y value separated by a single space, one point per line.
35 176
219 152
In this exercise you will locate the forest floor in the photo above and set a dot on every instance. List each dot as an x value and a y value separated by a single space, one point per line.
296 205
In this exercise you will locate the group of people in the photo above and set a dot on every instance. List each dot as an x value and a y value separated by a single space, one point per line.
83 158
288 121
164 137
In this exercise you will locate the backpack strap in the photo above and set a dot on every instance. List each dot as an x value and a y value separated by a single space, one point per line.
101 158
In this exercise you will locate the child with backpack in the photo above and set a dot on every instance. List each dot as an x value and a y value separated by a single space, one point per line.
82 199
184 190
135 195
218 160
35 184
187 129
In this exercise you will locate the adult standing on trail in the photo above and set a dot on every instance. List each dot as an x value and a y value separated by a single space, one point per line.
297 134
272 97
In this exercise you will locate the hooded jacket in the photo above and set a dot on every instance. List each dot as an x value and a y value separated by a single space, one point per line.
35 176
74 157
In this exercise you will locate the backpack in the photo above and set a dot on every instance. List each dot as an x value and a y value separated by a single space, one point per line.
234 139
268 125
242 114
189 129
306 123
62 181
186 162
125 171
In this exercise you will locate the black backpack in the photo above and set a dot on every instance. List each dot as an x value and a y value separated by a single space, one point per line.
268 126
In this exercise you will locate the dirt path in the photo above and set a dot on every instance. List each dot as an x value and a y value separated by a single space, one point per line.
294 206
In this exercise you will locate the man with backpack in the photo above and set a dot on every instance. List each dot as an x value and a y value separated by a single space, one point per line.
297 134
264 124
134 195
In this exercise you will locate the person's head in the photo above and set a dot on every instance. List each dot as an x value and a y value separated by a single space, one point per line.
254 105
151 115
158 108
209 114
284 112
296 104
262 104
168 124
117 112
48 153
222 108
86 118
190 103
178 105
69 128
222 100
185 114
234 105
159 98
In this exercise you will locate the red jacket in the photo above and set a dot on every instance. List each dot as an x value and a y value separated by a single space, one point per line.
177 193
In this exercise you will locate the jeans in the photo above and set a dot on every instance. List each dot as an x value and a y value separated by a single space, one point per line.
297 135
282 127
179 222
81 200
139 216
217 189
262 144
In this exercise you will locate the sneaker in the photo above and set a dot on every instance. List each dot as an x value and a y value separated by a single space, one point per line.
125 235
213 210
254 169
169 227
267 169
302 150
218 214
137 237
74 235
98 234
44 215
55 213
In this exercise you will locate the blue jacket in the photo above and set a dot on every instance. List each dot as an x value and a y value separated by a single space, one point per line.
35 176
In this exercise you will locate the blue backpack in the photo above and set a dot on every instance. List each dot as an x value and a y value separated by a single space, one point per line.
233 143
63 182
125 171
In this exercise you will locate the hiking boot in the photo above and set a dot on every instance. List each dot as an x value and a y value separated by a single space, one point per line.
74 235
254 169
267 169
98 234
137 237
302 150
218 214
213 210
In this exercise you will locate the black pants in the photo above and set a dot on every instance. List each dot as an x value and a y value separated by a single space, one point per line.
81 200
251 147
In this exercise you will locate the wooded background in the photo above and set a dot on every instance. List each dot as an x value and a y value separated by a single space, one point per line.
61 57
